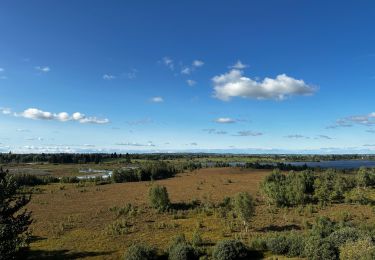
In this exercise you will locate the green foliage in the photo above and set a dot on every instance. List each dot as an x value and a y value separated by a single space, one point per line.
291 244
69 179
197 239
147 171
180 249
288 190
365 177
243 204
317 248
230 250
159 198
25 179
330 186
358 195
13 222
140 252
363 249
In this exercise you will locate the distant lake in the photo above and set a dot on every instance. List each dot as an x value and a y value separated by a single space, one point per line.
339 164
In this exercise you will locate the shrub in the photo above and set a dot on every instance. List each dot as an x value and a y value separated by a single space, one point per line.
291 244
343 236
69 179
159 198
124 175
330 186
317 248
197 239
363 249
140 252
230 249
244 207
322 227
182 251
365 177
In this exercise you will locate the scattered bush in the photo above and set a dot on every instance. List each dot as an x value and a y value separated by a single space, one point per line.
159 198
230 250
182 251
291 244
140 252
363 249
243 204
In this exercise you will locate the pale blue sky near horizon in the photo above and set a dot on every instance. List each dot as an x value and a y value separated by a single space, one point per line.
227 76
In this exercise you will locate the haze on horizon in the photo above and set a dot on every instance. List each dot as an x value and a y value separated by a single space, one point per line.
180 76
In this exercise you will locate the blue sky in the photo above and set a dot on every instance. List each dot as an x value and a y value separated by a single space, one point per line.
231 76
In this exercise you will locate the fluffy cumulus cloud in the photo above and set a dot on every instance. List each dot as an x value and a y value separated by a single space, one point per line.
37 114
366 120
234 84
225 120
157 99
5 110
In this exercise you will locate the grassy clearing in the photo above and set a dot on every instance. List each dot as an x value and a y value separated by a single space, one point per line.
103 221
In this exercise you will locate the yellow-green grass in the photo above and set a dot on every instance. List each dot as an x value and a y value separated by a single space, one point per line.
77 219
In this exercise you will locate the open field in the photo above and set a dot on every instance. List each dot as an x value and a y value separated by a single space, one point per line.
76 220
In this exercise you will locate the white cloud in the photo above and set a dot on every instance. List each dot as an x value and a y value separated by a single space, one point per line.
191 82
366 120
239 65
197 63
234 84
149 144
248 133
37 114
5 110
1 69
168 62
186 71
108 77
34 113
225 120
132 74
157 99
297 136
43 68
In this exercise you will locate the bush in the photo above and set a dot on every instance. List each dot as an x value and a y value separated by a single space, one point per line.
317 248
330 186
197 239
359 250
244 207
182 251
159 198
292 189
291 244
140 252
365 177
124 175
230 249
343 236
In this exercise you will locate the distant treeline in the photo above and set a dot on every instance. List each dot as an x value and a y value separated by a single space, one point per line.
60 157
100 157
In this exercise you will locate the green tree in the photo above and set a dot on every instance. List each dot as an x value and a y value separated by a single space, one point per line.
13 222
244 207
158 196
